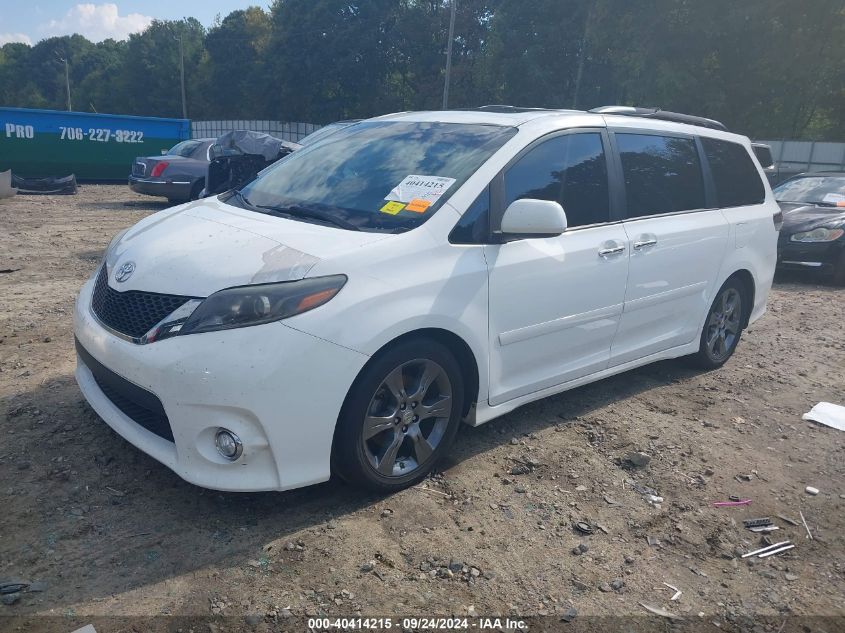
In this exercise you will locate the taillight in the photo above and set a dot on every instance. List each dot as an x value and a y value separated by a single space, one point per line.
777 218
159 168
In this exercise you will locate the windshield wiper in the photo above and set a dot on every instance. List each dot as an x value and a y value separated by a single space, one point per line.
306 212
236 193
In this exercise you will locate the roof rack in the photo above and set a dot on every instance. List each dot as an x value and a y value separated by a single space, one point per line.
663 115
502 109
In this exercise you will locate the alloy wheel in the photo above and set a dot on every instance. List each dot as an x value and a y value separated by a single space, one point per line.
724 324
407 418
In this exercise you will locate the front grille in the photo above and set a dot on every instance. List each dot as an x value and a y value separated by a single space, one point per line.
138 404
139 168
134 312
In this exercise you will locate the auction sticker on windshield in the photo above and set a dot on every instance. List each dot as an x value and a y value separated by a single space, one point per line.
424 188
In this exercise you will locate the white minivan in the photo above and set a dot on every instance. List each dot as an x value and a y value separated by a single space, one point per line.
348 309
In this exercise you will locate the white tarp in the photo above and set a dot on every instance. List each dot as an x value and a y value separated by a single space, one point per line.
828 414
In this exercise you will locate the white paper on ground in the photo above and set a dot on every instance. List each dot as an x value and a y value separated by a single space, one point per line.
827 414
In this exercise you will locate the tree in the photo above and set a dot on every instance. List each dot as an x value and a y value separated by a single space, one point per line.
150 80
237 64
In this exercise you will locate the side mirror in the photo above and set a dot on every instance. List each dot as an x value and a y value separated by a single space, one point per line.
539 218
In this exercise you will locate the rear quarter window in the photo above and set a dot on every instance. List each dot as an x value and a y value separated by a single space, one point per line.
736 177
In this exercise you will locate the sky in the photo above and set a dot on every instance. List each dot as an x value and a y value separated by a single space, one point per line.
98 20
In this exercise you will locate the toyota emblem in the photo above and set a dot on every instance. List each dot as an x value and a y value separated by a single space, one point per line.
124 272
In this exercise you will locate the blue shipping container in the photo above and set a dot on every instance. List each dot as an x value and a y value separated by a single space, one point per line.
35 143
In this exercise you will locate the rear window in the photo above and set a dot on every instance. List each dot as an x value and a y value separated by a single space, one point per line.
662 174
185 148
734 174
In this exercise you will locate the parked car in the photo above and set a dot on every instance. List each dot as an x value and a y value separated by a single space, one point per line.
763 152
178 175
237 157
347 309
813 233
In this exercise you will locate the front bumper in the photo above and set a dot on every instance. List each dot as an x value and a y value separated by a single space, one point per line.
173 190
823 257
280 390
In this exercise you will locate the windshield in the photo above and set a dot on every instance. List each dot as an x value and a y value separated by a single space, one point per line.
185 148
822 190
323 132
375 175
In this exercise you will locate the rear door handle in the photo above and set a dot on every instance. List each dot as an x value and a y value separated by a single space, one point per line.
643 243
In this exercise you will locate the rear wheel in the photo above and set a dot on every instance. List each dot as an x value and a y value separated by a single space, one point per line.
723 327
197 189
400 417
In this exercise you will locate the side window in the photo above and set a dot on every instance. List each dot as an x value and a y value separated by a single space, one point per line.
570 169
734 173
474 225
662 174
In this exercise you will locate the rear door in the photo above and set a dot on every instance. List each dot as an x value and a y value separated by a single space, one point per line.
676 238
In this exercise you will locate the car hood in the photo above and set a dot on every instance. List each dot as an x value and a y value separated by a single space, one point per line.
201 247
805 217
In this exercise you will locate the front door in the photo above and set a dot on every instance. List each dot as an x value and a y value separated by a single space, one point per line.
555 303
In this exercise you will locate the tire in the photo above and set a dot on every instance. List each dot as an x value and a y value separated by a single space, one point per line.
723 326
382 442
199 185
837 276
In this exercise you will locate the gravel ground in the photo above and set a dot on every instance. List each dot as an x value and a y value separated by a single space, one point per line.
98 528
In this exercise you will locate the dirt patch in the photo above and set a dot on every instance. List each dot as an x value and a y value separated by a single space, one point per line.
105 529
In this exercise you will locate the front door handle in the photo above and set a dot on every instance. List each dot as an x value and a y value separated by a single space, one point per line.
643 243
611 250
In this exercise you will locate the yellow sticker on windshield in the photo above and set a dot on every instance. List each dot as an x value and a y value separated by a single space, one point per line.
392 208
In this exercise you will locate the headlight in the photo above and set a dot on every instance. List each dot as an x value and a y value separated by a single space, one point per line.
820 234
264 303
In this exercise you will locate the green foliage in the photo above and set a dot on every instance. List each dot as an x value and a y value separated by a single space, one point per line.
767 68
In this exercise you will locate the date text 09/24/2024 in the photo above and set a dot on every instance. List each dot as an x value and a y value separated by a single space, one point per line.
416 623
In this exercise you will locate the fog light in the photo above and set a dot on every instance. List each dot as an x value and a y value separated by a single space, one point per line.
228 444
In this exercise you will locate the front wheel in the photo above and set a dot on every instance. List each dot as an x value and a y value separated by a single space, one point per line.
723 327
400 417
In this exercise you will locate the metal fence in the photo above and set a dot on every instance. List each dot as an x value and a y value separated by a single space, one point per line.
280 129
801 156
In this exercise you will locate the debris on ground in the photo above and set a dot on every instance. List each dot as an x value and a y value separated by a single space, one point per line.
728 504
660 611
832 415
677 591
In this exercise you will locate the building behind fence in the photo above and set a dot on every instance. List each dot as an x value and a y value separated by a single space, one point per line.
284 130
801 156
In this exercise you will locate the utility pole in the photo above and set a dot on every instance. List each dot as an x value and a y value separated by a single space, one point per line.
67 81
182 76
449 56
585 42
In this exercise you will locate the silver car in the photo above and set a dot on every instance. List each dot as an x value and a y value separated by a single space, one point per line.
178 175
